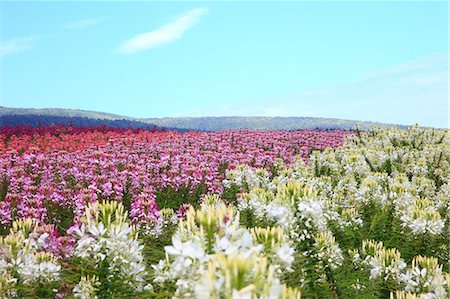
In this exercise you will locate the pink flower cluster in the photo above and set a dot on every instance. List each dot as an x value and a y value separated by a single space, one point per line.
27 138
52 177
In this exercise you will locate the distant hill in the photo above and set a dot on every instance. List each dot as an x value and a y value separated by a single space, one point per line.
61 112
47 120
265 123
45 117
34 117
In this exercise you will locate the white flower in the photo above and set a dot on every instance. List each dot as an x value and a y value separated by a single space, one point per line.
97 230
286 254
188 249
41 240
86 288
31 270
376 270
243 294
222 244
116 244
202 289
313 210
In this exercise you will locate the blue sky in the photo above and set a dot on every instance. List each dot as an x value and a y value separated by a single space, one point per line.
382 61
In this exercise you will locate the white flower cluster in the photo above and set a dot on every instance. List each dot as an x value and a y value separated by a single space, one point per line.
303 215
382 263
426 277
442 198
86 288
422 217
152 229
266 208
353 163
275 247
247 177
328 251
311 212
183 265
372 190
210 232
288 173
400 294
324 163
382 179
350 218
286 206
23 260
7 285
38 267
239 277
107 238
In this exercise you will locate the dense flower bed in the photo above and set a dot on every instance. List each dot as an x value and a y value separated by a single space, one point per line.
122 214
369 219
52 178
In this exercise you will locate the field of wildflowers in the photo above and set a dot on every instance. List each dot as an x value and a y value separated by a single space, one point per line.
114 213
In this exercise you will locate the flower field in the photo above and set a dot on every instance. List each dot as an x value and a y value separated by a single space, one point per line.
114 213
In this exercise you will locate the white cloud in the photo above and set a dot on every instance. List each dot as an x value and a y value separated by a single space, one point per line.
425 66
165 34
17 45
84 23
409 93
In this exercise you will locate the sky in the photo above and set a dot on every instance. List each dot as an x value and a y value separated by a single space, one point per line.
384 61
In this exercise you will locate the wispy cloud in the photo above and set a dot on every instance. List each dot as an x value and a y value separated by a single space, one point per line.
18 44
165 34
412 92
80 24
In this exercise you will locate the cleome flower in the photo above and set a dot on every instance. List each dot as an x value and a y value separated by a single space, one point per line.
275 246
405 295
212 233
328 251
247 178
189 249
238 277
426 277
39 267
107 239
87 288
422 218
23 263
382 263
